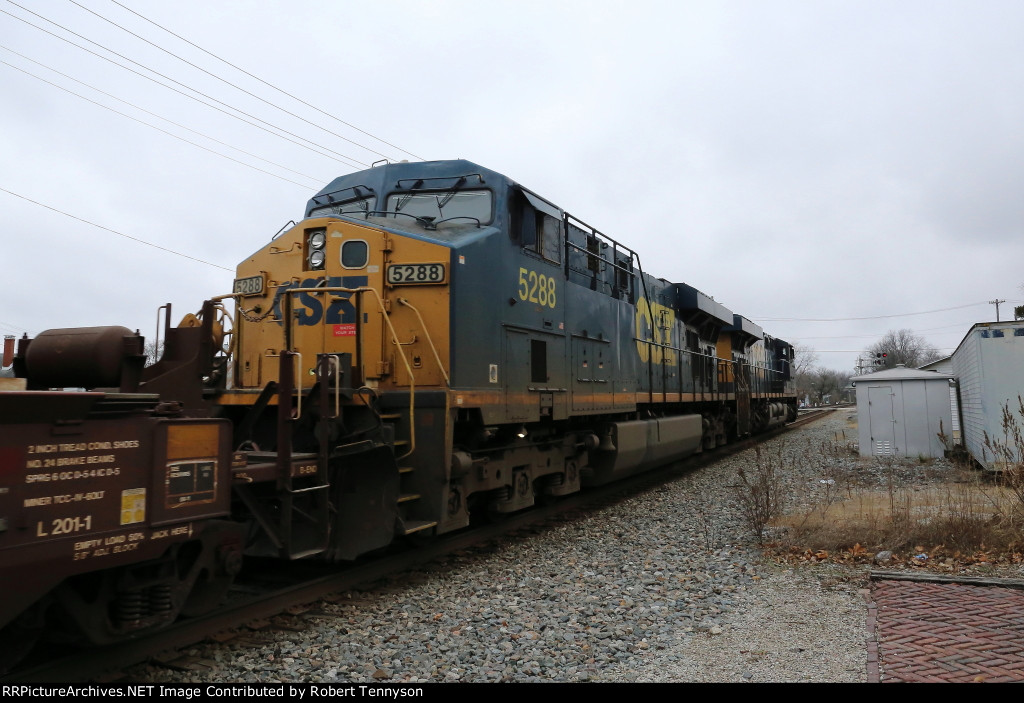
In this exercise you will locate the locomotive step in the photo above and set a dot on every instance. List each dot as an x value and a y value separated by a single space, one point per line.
260 457
414 526
267 470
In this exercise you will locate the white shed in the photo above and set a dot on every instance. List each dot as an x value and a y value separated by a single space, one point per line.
901 411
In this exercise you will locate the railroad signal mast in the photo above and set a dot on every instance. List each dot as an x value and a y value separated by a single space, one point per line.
879 360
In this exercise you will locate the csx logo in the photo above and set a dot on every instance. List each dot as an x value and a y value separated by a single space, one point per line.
654 323
309 307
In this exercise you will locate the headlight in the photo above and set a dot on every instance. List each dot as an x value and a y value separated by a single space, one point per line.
317 240
316 258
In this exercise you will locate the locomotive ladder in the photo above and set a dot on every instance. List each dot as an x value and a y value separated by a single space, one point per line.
408 497
313 518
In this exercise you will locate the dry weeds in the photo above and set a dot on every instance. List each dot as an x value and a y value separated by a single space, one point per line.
937 514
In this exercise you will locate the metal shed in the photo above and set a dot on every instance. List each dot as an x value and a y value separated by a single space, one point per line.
989 365
901 411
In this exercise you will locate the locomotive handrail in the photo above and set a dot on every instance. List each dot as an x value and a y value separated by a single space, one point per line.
290 223
298 387
394 337
458 180
298 390
600 257
330 200
598 233
430 341
332 360
650 357
167 323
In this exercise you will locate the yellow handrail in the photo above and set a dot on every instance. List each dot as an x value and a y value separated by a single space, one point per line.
394 335
426 332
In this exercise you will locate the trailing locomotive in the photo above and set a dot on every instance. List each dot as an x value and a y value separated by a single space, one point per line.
431 343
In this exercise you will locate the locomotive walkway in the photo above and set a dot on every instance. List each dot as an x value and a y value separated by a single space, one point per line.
932 629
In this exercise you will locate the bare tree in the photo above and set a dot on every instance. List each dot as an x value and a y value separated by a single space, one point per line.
153 353
830 384
805 361
902 347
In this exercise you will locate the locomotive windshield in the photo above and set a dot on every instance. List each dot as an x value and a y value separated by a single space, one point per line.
443 205
352 207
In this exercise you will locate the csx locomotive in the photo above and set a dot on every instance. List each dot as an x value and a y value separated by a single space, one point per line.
432 343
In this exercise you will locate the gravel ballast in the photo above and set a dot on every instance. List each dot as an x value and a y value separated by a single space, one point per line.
666 586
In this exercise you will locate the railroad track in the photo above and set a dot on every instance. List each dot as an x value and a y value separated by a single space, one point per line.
809 415
269 598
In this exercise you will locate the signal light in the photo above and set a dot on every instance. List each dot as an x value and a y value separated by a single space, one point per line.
880 358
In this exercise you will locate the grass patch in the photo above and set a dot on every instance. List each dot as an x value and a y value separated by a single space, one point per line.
924 511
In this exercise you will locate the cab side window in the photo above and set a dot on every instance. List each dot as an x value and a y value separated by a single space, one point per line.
539 232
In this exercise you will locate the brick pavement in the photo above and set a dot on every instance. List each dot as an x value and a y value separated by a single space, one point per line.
944 632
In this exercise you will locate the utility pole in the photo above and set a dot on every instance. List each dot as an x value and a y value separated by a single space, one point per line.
996 303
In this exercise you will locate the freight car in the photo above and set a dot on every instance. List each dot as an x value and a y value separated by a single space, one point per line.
431 344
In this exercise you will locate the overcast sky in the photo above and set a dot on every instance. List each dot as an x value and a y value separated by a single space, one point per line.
831 170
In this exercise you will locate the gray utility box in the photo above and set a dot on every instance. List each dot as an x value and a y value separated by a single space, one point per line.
989 365
901 411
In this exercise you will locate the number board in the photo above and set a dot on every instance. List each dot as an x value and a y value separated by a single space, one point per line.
253 285
416 274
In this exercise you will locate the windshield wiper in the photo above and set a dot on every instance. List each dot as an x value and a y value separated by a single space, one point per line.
426 220
451 194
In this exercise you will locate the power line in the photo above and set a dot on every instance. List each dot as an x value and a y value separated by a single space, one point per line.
225 81
954 327
164 131
861 351
148 112
8 327
114 231
170 134
338 156
870 317
270 85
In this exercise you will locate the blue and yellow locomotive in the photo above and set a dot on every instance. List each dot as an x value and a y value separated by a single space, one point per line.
432 342
488 348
